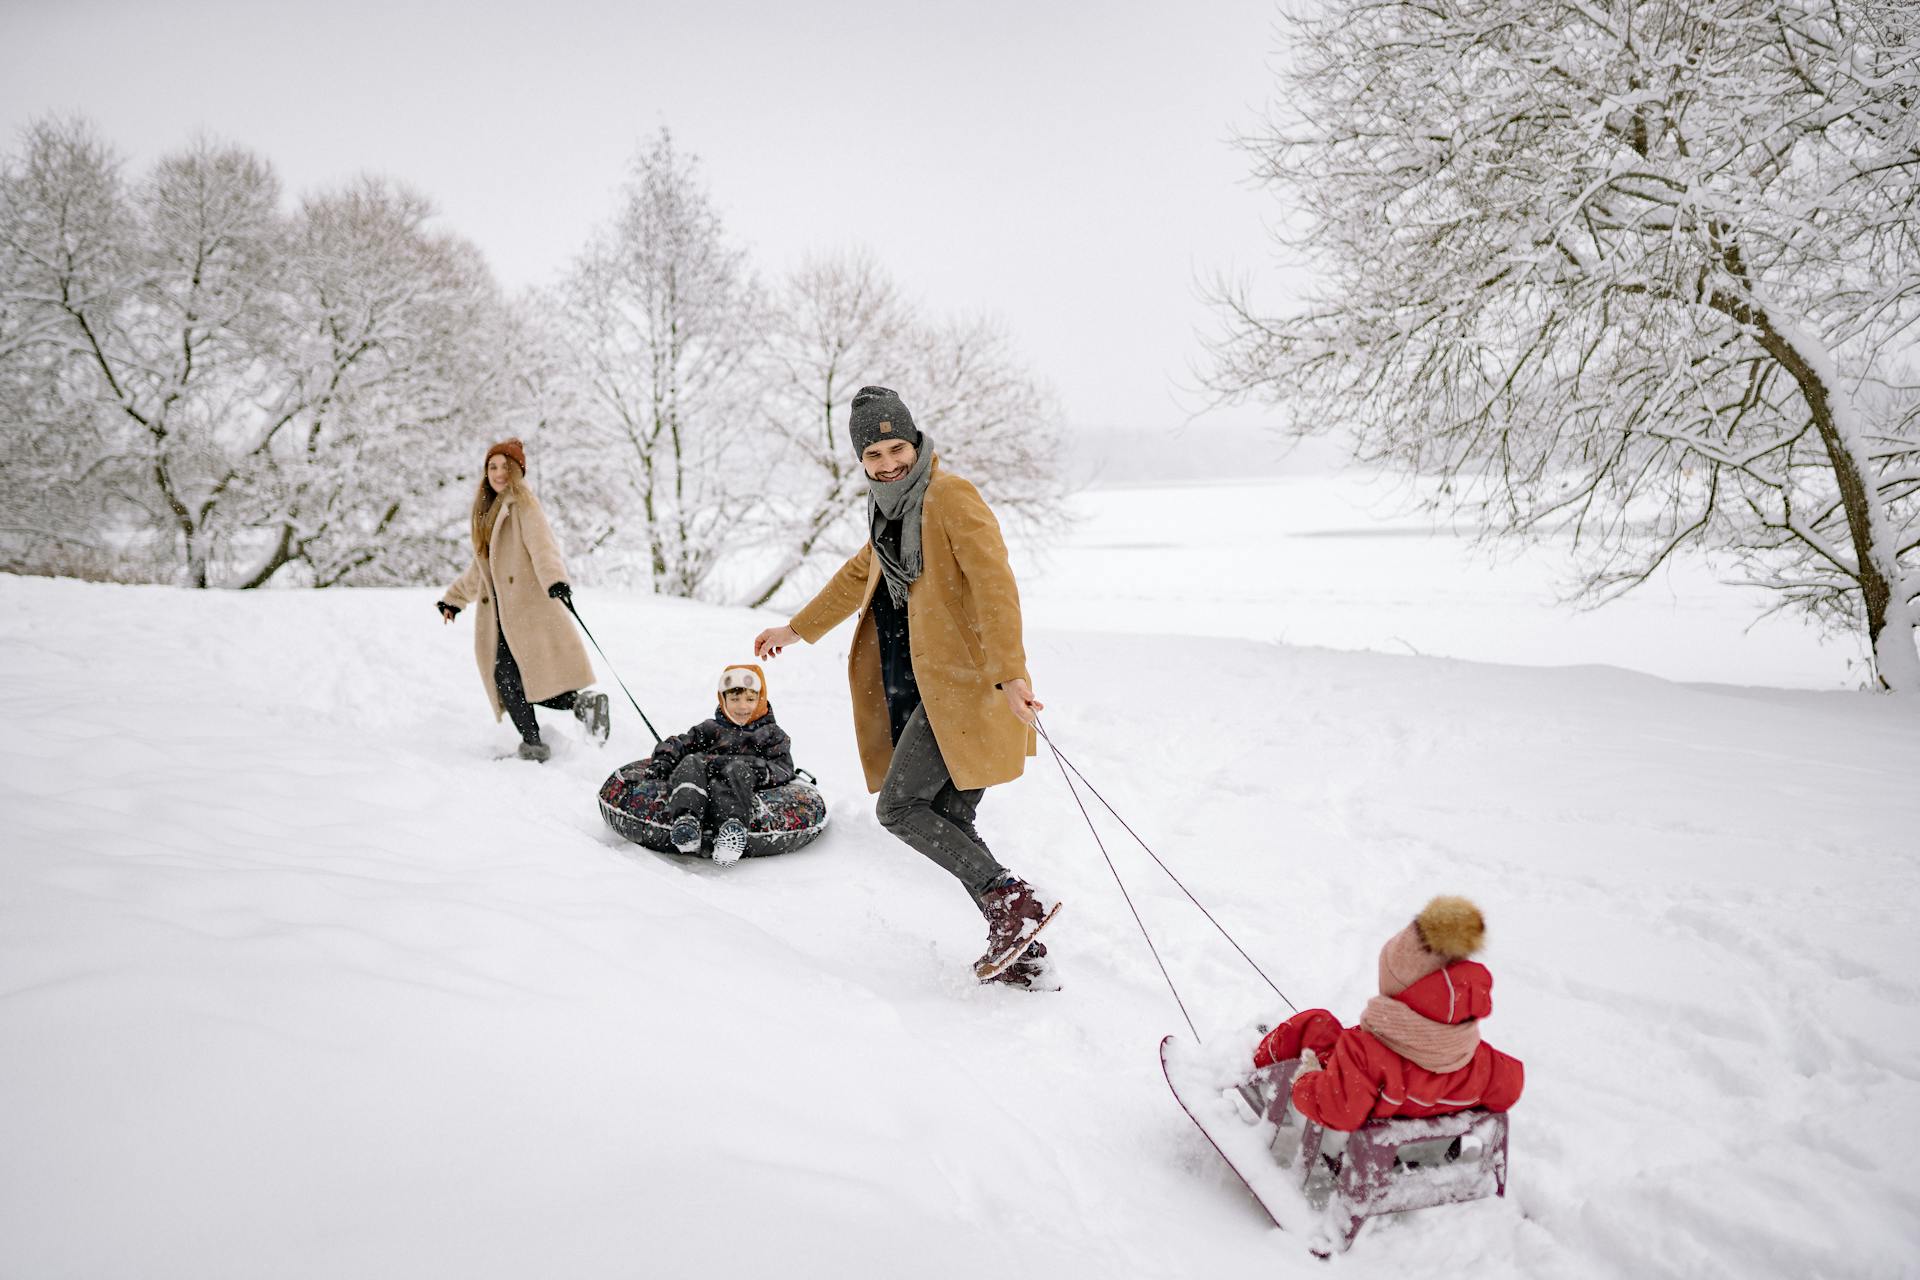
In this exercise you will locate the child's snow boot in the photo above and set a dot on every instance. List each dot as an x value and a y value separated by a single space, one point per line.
730 841
1015 913
593 710
685 833
539 752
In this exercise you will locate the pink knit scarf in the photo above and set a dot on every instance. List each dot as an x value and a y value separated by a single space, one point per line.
1434 1045
1438 1047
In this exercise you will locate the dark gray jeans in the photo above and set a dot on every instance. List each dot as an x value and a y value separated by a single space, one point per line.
920 805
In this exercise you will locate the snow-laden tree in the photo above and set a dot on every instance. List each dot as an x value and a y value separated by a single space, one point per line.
1643 270
191 376
551 407
839 323
66 236
146 305
198 384
390 371
662 316
997 421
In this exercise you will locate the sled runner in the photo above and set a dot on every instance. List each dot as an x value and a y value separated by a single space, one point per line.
1325 1184
784 817
1244 1146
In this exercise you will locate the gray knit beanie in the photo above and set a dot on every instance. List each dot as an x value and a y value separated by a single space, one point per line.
879 415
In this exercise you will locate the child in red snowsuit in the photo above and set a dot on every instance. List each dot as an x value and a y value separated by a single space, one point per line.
1417 1050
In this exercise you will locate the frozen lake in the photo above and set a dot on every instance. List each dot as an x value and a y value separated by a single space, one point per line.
1341 561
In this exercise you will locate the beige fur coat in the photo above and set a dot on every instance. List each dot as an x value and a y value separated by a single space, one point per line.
510 584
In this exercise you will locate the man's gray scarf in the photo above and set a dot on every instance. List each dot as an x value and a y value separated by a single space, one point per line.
900 500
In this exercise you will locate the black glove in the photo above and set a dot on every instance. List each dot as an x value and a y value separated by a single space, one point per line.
562 592
762 774
447 611
659 766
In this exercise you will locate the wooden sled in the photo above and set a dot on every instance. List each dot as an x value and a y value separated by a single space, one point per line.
1384 1166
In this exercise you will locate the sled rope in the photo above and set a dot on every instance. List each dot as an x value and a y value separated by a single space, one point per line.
1088 818
616 675
1065 765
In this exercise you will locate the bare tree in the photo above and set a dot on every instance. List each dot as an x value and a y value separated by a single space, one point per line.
997 420
189 374
144 302
1645 270
198 384
65 236
841 322
391 364
837 322
553 409
663 315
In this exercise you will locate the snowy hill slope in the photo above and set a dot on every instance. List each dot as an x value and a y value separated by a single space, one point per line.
297 979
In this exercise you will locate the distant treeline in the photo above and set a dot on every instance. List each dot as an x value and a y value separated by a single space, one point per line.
202 384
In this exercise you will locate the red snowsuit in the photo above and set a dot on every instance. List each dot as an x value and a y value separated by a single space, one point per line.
1364 1080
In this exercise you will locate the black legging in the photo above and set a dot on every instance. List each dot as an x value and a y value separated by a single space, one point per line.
513 694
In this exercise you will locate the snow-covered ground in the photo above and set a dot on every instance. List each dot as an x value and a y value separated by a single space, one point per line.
1346 561
297 979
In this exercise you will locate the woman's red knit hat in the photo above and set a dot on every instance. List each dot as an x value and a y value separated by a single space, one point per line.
513 449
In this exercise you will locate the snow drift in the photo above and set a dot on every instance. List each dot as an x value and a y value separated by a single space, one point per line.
297 979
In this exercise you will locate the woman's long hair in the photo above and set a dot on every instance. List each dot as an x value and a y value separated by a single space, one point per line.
484 499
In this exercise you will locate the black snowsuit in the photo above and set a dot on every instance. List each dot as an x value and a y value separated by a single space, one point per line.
715 767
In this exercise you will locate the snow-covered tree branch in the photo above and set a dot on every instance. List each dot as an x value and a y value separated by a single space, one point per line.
840 322
1646 271
661 313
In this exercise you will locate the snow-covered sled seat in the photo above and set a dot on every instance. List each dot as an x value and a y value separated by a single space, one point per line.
783 819
1384 1166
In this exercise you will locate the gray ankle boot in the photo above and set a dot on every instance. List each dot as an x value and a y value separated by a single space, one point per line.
593 710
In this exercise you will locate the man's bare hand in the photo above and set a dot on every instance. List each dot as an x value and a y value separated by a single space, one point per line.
770 642
1020 698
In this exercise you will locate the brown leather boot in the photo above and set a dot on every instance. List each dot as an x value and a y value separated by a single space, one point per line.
1015 914
1031 972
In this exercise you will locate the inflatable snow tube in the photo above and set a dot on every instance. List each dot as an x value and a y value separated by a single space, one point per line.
784 817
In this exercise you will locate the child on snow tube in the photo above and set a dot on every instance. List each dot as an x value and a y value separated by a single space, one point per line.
1417 1050
713 769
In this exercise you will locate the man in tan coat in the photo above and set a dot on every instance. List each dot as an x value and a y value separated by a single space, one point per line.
942 703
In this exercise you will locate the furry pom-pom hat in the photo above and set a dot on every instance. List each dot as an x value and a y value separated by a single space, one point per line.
1451 927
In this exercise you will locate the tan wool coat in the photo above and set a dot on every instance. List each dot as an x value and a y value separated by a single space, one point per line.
963 616
524 561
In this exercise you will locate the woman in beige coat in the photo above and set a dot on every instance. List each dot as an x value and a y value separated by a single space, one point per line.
942 706
528 652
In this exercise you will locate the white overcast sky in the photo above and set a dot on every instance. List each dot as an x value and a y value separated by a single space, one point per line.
1064 165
